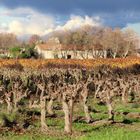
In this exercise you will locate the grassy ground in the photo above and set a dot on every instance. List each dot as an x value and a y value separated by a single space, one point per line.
128 130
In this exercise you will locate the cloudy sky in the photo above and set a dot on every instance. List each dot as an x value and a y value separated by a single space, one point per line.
44 16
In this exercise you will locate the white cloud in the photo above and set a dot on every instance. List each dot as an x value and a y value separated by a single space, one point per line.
16 27
78 21
27 21
75 22
3 27
22 21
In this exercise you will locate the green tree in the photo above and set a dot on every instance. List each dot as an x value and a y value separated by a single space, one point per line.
15 52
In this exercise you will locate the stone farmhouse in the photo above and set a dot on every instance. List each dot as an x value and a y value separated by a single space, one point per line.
53 49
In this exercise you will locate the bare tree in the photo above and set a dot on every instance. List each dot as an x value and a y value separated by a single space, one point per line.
7 40
34 39
129 45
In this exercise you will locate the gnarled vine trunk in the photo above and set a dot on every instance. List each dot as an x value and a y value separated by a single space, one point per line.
68 111
87 114
9 107
44 126
110 111
84 95
50 107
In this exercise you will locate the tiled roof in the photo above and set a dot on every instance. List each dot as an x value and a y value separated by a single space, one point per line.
64 47
49 47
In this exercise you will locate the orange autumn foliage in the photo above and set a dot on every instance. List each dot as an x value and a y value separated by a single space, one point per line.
87 63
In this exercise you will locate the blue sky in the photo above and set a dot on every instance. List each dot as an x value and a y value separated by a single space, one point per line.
44 16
